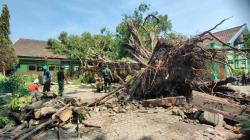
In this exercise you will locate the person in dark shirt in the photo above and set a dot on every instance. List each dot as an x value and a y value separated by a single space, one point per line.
60 79
244 79
107 76
47 79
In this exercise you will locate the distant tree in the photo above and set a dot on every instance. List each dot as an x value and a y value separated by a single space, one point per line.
7 52
7 57
246 40
174 36
5 25
140 31
85 47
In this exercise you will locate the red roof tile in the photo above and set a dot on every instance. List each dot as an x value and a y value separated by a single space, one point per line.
225 36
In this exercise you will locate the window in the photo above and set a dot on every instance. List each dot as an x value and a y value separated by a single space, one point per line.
66 67
32 67
76 68
236 64
51 68
243 62
230 61
39 68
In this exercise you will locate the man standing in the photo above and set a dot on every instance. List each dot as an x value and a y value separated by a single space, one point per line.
107 76
60 79
47 79
244 79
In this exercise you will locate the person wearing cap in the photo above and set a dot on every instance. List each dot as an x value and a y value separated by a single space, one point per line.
47 79
60 79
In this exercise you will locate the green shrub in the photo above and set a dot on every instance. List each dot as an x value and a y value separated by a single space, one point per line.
4 120
17 85
245 128
16 103
2 77
86 78
237 72
127 59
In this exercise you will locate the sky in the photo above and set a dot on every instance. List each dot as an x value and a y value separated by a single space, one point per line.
43 19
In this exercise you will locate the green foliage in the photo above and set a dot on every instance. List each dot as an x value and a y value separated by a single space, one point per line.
128 78
86 46
2 77
127 59
246 40
7 53
82 114
174 36
7 56
55 89
17 85
4 120
143 28
245 128
5 25
17 102
86 77
237 72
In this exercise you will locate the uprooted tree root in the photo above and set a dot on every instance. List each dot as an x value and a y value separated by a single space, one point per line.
170 71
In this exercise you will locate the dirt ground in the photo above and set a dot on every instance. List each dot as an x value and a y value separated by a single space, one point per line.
84 91
149 124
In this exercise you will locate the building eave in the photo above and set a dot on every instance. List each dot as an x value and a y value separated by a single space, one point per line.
242 29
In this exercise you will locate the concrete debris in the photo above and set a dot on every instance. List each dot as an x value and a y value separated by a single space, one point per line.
177 111
116 109
214 119
96 109
173 107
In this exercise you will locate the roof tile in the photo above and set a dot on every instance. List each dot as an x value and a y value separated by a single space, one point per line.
35 48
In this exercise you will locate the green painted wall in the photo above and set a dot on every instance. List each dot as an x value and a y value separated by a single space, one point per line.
214 66
25 62
23 68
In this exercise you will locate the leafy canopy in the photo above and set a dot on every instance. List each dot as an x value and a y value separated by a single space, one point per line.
138 16
85 46
88 46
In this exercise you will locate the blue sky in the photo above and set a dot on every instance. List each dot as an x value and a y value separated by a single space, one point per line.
43 19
